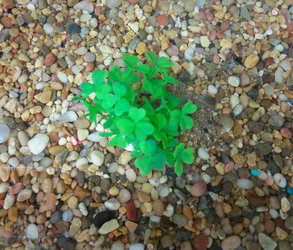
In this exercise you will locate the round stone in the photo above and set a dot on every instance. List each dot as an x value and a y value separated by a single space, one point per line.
97 158
198 189
4 133
38 143
32 232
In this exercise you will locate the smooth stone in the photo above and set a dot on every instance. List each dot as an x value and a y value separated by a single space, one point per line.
276 121
109 226
67 216
266 242
85 5
103 217
212 90
231 242
97 158
113 3
32 232
234 81
4 133
38 143
136 246
289 223
203 154
198 189
124 195
95 137
245 184
226 122
112 204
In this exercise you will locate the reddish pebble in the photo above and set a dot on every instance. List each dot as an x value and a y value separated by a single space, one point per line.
15 189
7 22
198 189
225 25
200 242
50 59
131 211
286 133
162 20
39 117
133 1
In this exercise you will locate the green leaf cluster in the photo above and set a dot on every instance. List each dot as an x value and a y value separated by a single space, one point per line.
149 117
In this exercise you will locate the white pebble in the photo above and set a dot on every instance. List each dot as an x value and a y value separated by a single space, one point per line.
32 232
136 246
62 77
212 90
234 81
97 158
280 180
48 28
203 154
130 175
112 204
245 184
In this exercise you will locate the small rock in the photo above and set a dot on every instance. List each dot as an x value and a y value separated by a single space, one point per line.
203 154
136 246
24 195
48 28
109 226
198 189
205 42
32 232
212 90
112 204
231 242
97 158
276 121
266 242
234 81
38 143
179 220
67 216
280 180
85 5
245 184
4 133
124 195
113 3
226 122
130 175
251 61
103 217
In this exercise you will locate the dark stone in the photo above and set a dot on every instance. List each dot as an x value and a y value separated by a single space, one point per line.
256 201
235 220
266 104
183 235
103 217
73 28
249 214
255 127
227 188
56 217
205 203
211 171
272 166
179 194
44 50
183 75
66 243
253 93
142 34
263 148
278 160
166 224
86 223
62 63
105 184
180 182
80 177
225 158
216 189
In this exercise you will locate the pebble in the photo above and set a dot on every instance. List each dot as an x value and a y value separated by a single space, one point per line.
198 189
67 216
203 154
85 5
251 61
4 133
38 143
226 122
8 201
97 158
234 81
266 242
231 242
113 3
112 204
289 223
276 121
117 245
245 184
109 226
124 196
280 180
136 246
32 232
205 42
48 28
24 195
130 175
212 90
89 57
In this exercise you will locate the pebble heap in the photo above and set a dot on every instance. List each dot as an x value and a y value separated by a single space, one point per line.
62 186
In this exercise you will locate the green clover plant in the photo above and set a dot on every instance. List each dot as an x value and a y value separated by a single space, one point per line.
149 117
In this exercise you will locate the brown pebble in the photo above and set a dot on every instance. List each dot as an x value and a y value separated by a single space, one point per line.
50 59
13 214
269 226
